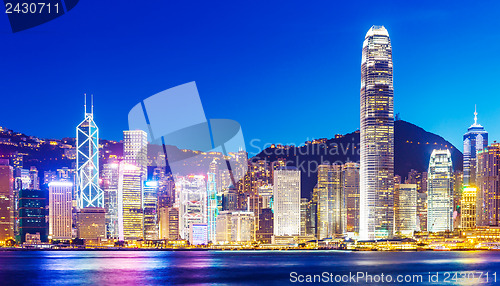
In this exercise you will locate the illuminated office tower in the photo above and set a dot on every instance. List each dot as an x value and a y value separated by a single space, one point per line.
475 140
440 192
468 208
235 226
130 209
60 209
87 162
110 178
169 223
286 205
31 213
34 179
6 202
422 211
212 207
303 216
135 149
192 202
330 201
91 224
350 187
376 137
150 205
405 209
488 184
198 234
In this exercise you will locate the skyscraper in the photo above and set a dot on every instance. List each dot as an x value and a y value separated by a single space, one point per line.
330 201
405 206
6 202
377 136
488 186
135 144
192 202
440 192
150 205
212 207
475 140
110 178
130 208
286 194
87 162
60 209
468 207
350 187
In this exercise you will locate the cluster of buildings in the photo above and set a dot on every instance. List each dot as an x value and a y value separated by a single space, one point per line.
124 200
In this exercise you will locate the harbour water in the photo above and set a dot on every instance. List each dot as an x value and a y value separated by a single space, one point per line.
247 268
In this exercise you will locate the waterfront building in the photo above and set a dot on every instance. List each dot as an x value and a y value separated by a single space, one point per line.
192 202
376 136
198 234
60 210
235 226
6 202
405 209
286 205
212 201
488 186
130 199
330 201
91 224
350 190
110 180
31 214
169 223
87 162
468 208
150 206
440 192
475 140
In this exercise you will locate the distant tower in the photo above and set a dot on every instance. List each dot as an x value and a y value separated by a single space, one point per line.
376 137
212 207
475 140
440 192
87 161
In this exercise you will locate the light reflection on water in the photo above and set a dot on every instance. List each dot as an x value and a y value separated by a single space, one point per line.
223 267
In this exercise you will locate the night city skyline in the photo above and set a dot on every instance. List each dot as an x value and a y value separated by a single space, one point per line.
242 66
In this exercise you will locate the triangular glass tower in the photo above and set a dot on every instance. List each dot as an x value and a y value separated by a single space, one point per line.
87 161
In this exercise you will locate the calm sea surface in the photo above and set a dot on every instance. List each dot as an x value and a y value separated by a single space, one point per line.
242 267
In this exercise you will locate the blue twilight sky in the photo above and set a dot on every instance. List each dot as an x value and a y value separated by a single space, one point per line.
286 70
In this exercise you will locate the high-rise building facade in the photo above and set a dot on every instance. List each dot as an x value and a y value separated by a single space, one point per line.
377 136
350 187
468 208
150 206
130 208
110 178
135 148
405 209
475 140
330 201
488 186
440 192
212 201
60 209
32 212
6 203
286 194
87 162
192 202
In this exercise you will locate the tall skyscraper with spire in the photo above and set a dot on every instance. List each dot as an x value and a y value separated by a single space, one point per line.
377 136
476 139
87 161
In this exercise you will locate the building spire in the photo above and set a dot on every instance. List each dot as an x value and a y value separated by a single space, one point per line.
92 103
475 114
85 104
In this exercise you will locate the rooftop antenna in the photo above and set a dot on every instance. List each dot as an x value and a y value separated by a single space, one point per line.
475 114
92 103
85 104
